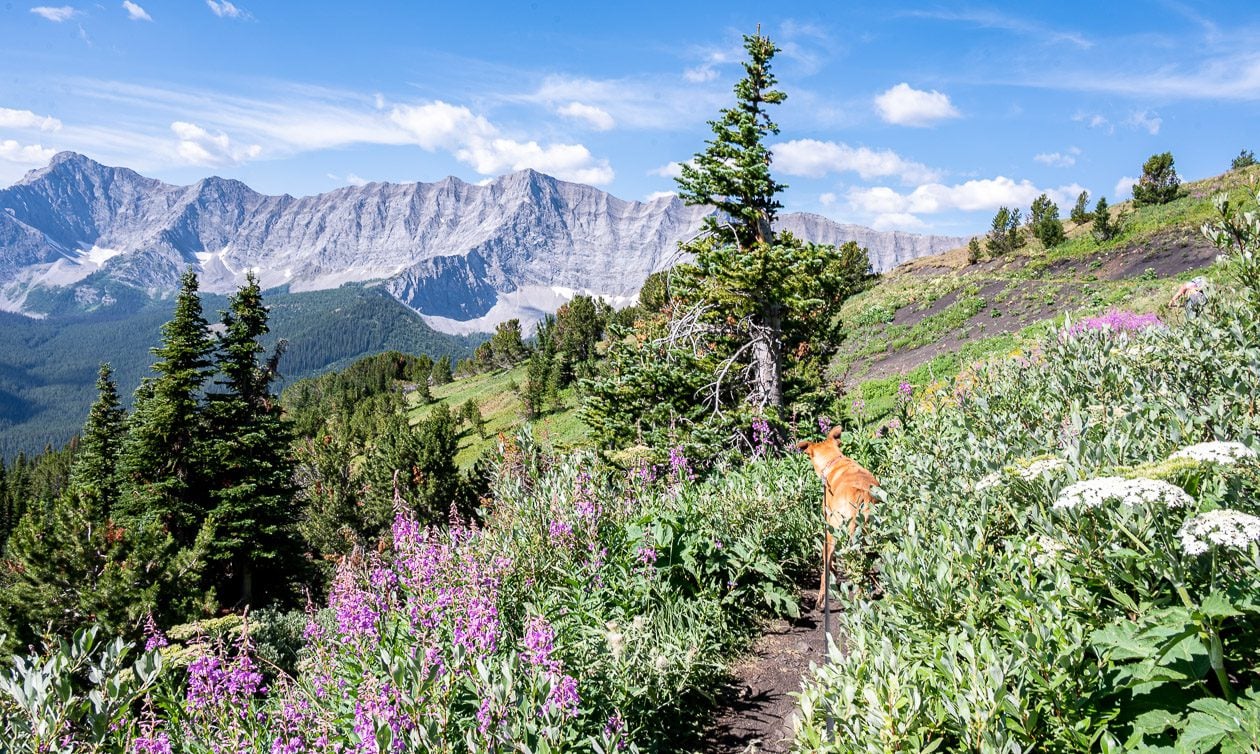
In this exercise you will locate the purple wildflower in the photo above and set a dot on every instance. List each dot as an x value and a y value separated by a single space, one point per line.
905 391
643 471
646 555
824 424
150 743
154 638
563 697
539 644
679 468
762 439
1116 321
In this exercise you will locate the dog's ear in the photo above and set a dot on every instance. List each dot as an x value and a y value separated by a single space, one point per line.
835 433
802 445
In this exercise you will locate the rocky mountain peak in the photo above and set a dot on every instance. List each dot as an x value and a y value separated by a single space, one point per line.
465 256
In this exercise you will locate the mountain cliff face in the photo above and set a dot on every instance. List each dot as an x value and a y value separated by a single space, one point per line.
465 256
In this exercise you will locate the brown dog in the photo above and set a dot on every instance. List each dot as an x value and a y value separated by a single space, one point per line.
848 492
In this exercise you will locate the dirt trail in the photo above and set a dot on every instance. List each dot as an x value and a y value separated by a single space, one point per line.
756 714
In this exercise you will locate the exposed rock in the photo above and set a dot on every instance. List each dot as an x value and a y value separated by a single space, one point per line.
463 255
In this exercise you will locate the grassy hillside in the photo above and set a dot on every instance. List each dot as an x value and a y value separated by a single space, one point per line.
503 412
48 367
929 318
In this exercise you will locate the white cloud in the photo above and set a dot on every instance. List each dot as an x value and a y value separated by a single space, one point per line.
197 146
593 116
827 199
225 9
475 141
632 102
1124 188
25 154
1058 159
814 159
1093 120
135 12
701 74
897 221
55 14
905 106
27 119
659 195
980 194
1148 121
355 180
668 170
379 100
439 125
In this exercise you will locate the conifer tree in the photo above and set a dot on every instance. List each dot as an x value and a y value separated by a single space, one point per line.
1046 226
1104 228
161 461
441 373
424 458
751 283
1159 183
94 475
1080 211
250 467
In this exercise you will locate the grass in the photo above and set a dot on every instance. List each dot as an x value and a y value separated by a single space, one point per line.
999 304
502 411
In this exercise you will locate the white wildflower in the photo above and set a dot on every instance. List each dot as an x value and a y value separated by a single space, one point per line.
1216 452
1044 467
989 481
1049 548
616 640
1223 527
661 662
1092 493
639 623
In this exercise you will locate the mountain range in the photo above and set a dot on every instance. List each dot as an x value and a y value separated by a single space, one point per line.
80 237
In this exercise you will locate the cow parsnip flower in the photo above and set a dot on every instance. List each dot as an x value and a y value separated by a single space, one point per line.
1225 453
1092 493
1224 528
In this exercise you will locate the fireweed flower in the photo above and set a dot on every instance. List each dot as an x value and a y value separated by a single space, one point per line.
1224 453
560 532
762 441
1092 493
154 638
679 468
584 496
1224 528
1116 321
646 555
539 641
563 697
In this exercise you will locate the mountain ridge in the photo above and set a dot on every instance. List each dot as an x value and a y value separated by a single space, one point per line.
465 256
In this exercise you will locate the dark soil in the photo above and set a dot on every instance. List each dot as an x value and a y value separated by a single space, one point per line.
757 708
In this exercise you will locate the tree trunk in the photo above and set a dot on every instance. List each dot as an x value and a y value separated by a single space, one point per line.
767 347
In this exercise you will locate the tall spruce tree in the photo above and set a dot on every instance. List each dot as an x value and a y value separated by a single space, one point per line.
737 258
162 460
94 475
756 291
249 461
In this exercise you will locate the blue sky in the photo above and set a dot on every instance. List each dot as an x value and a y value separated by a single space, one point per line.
922 117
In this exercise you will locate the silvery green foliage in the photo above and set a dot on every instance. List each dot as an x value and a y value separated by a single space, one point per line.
77 696
1116 622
